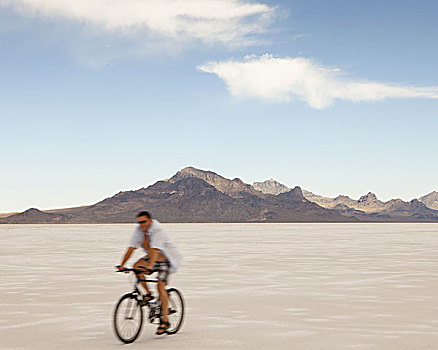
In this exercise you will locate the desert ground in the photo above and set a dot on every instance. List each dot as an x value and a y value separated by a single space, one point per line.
246 286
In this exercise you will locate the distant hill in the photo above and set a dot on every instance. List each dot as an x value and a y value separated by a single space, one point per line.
430 200
34 215
369 206
194 195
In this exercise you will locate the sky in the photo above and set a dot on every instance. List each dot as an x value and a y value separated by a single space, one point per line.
337 97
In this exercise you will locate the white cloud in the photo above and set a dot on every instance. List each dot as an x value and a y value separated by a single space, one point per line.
230 22
299 36
283 79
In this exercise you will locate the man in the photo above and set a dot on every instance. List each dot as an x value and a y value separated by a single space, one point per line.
161 256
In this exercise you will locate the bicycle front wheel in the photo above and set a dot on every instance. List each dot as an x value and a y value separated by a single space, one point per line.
176 310
128 318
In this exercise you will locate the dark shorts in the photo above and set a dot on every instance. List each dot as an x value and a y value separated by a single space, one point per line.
162 267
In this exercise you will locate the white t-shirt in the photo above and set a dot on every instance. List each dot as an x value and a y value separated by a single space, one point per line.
158 239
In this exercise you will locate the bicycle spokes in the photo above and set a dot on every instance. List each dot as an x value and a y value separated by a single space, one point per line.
176 310
130 309
128 318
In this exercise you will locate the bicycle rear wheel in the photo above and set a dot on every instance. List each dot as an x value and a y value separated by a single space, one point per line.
176 310
128 318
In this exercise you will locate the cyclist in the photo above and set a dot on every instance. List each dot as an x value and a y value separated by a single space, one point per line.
162 256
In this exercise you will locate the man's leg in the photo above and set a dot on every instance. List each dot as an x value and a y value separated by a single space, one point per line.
164 298
138 265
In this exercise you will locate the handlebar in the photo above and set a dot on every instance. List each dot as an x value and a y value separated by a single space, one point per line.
136 271
139 271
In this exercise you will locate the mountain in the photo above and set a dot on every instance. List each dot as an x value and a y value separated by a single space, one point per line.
188 199
330 202
366 204
194 195
35 216
430 200
409 210
293 207
191 199
270 187
369 203
370 208
234 188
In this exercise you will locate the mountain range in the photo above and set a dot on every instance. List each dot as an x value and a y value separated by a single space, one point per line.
194 195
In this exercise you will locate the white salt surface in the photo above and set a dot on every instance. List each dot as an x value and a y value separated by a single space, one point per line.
255 286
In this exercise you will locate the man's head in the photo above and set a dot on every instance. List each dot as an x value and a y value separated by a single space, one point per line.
144 219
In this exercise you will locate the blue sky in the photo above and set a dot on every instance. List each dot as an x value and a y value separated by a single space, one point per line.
338 97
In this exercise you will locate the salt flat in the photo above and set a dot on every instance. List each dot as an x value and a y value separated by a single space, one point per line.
253 286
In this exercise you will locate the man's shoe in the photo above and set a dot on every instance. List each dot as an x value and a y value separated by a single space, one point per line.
164 326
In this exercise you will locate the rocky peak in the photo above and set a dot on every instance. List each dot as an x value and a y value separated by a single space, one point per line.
191 171
208 176
368 198
270 187
342 197
397 201
233 188
298 192
415 203
369 203
430 200
32 212
295 194
237 181
396 204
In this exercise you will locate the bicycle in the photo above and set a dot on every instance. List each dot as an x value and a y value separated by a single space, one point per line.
128 314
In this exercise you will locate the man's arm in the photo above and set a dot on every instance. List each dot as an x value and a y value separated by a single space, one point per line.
126 257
